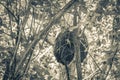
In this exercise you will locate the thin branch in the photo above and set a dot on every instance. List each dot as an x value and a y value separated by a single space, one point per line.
112 59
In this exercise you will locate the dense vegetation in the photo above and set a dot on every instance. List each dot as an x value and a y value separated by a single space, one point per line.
28 29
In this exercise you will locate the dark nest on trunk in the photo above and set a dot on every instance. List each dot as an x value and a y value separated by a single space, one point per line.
64 48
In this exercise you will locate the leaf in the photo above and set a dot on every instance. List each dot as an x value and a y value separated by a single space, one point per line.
0 21
1 31
10 49
13 35
2 48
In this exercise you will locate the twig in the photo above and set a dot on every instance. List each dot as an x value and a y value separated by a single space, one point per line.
111 63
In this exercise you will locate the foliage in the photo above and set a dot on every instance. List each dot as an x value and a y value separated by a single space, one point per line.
28 29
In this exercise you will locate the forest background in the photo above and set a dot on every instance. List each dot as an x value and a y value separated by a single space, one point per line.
28 29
